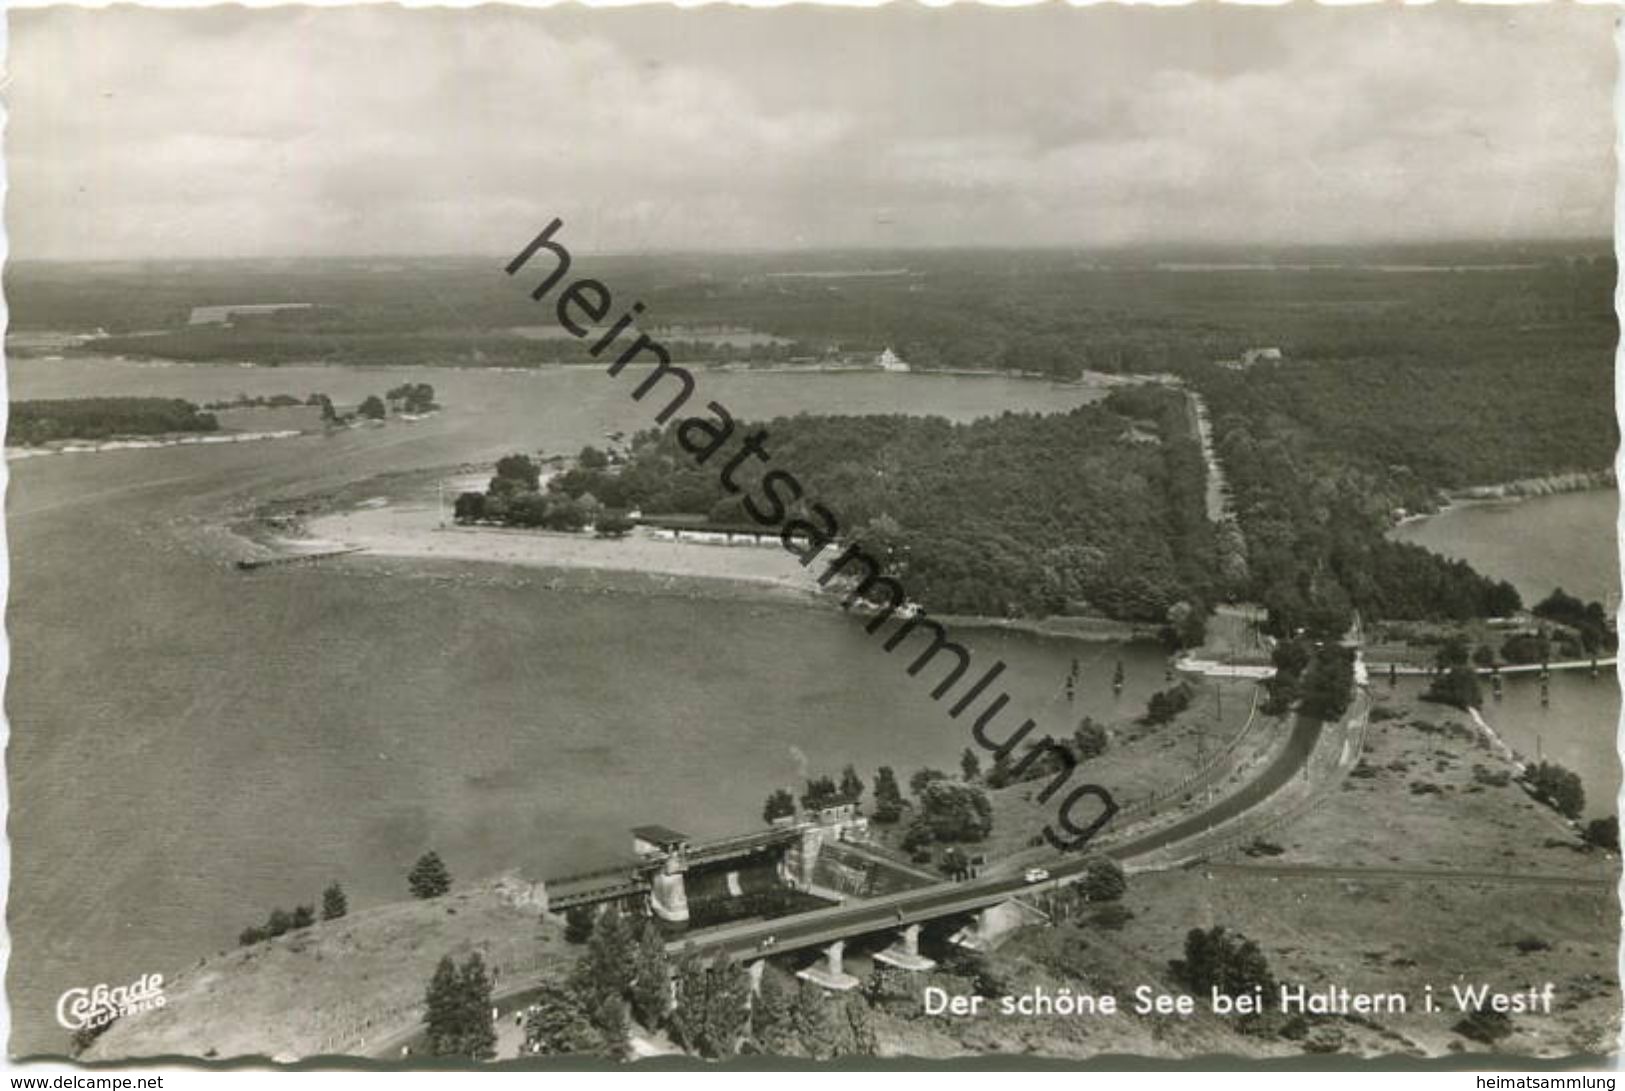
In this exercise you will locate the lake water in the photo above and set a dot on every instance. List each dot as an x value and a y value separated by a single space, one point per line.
192 745
1566 540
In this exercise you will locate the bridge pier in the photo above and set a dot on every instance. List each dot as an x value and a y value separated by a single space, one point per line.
905 953
754 971
831 974
668 895
994 923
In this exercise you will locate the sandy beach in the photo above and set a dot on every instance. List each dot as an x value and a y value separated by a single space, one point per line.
414 530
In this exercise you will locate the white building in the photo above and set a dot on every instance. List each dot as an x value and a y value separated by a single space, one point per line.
890 361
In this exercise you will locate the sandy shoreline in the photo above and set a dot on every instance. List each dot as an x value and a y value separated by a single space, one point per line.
413 530
1513 492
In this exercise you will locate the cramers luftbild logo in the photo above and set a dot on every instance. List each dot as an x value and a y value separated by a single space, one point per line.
81 1008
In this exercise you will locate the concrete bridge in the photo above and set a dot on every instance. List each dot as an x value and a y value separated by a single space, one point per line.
992 906
665 857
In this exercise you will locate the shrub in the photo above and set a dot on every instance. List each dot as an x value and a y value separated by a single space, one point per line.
1484 1026
1166 704
1457 687
1103 881
780 804
951 812
1603 833
334 903
1111 917
1328 683
578 922
1558 787
1526 648
1217 959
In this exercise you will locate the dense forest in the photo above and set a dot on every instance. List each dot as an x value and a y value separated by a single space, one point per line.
1320 457
1052 312
1099 509
42 421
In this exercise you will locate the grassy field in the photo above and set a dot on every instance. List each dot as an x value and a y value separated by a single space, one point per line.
1382 887
1366 935
1141 760
339 986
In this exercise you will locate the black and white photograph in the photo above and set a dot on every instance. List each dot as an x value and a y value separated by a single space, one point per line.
802 537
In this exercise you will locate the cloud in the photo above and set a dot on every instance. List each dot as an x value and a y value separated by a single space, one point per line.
230 132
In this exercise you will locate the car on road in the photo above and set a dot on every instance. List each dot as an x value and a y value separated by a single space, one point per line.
1034 875
770 941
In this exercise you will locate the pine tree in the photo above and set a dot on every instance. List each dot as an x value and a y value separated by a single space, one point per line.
864 1042
970 764
429 877
651 978
727 1008
888 805
770 1018
444 1001
614 1025
479 1037
578 922
851 784
780 804
712 1009
813 1023
687 1011
556 1023
609 966
334 903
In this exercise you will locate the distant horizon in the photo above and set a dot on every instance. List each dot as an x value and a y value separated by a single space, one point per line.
1159 249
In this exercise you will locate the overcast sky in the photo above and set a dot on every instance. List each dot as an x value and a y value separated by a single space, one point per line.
230 132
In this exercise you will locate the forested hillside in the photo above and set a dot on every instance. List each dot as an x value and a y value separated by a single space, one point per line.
1321 454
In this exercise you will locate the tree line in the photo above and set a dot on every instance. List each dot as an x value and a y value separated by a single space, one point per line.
514 497
428 878
37 421
282 921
